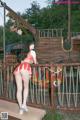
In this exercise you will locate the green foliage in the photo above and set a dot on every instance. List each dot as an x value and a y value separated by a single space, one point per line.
75 24
32 14
55 16
52 115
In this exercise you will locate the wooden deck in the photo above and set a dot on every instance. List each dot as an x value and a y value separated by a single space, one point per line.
13 110
13 118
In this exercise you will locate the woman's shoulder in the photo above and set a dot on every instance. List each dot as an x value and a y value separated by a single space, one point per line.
33 52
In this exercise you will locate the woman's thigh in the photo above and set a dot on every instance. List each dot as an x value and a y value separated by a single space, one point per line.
18 79
26 77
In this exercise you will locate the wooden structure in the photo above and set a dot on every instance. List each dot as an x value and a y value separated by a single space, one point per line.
49 44
43 93
76 43
21 21
50 48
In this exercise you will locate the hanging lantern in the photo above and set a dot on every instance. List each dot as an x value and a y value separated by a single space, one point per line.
13 29
19 31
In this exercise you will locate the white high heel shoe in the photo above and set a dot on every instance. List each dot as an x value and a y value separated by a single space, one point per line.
21 111
24 108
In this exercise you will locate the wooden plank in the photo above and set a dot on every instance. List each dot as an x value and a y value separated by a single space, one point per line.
50 50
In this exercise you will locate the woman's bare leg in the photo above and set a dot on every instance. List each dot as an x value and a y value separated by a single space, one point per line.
26 78
19 88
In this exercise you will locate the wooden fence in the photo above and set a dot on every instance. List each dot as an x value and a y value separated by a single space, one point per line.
51 86
49 33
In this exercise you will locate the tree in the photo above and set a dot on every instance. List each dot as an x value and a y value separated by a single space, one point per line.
32 14
55 16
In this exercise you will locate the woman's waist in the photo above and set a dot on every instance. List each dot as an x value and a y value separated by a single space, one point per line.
27 61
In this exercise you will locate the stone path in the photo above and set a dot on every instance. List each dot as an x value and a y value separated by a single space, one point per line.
13 110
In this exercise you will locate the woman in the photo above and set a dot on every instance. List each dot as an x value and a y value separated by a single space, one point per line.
23 73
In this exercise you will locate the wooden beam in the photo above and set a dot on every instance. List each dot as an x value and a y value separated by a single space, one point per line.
21 21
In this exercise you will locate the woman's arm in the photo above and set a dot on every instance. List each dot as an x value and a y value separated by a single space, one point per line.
33 53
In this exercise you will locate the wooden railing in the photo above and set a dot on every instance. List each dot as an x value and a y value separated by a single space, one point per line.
49 33
73 34
53 86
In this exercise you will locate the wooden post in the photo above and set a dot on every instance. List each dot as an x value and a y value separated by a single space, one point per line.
4 61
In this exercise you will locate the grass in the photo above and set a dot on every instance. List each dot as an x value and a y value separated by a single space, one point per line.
52 115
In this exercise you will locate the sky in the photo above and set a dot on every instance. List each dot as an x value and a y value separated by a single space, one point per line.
20 6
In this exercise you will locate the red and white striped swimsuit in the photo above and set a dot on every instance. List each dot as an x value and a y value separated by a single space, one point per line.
25 65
